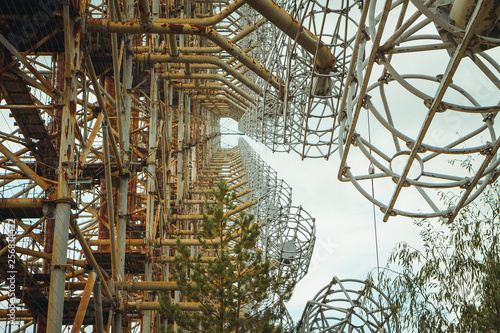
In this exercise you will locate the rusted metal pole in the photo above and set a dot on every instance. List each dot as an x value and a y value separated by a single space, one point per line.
109 198
209 20
24 327
145 15
116 70
148 285
102 105
90 257
166 242
141 242
124 118
84 302
239 109
292 28
170 260
99 322
172 42
216 77
151 184
198 50
72 32
215 87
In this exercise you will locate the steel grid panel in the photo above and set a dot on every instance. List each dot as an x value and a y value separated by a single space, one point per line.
419 130
287 233
348 306
290 244
265 122
311 99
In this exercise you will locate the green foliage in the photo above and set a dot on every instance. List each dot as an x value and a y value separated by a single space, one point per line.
230 286
453 284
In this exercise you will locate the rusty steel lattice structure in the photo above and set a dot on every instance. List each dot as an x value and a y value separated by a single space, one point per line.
110 145
110 138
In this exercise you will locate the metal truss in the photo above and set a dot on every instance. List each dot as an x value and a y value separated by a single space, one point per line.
304 119
312 98
409 103
348 306
288 233
415 124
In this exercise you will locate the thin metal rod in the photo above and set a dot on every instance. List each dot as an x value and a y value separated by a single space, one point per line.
90 258
102 105
84 302
109 198
436 104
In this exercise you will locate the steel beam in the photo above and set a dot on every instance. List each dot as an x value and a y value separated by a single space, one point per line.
72 33
293 28
84 302
209 20
99 323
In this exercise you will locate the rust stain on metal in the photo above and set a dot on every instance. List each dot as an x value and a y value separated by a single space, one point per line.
202 28
66 129
77 27
176 28
72 109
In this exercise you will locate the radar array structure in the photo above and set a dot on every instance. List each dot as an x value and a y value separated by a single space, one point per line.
110 146
408 105
112 143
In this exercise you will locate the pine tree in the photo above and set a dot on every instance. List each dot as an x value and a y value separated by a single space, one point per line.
233 284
